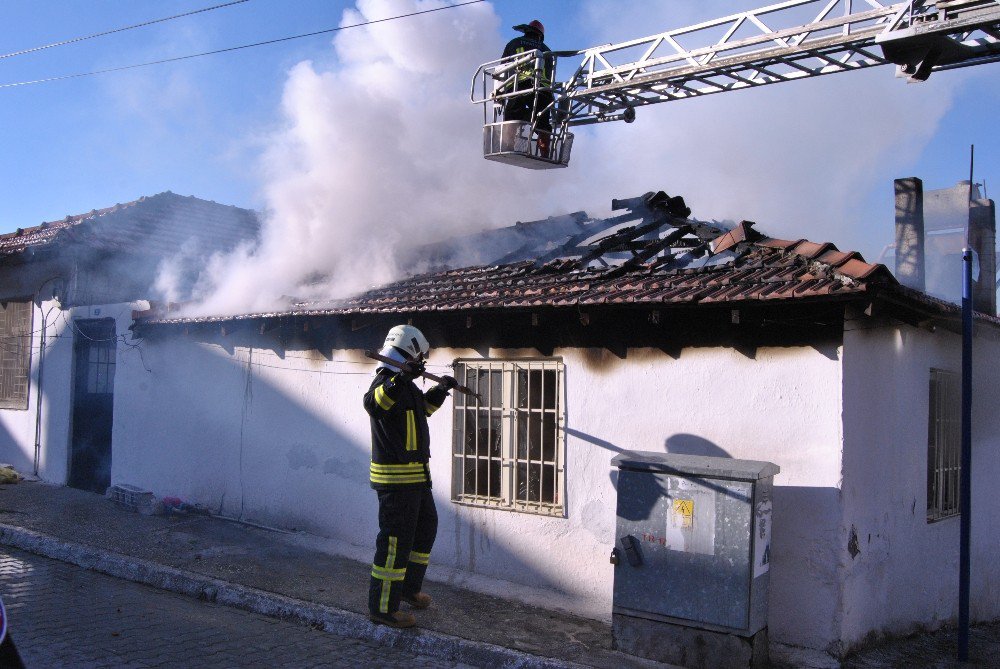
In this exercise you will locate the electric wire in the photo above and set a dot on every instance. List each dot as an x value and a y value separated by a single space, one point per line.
84 38
235 48
134 346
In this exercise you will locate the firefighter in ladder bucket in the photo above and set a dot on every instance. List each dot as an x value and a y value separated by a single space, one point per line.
400 475
519 107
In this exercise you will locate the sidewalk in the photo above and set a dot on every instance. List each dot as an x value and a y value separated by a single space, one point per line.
275 573
279 574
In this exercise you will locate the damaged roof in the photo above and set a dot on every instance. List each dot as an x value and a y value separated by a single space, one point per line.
663 258
770 269
153 225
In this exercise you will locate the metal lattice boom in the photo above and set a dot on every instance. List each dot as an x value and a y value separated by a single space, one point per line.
786 41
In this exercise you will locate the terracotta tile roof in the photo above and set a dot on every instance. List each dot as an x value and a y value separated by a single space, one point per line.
154 225
763 270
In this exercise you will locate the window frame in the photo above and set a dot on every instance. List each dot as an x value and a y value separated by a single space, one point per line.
944 452
512 445
17 350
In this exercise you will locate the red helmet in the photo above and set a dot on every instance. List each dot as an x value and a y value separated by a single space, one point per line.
534 26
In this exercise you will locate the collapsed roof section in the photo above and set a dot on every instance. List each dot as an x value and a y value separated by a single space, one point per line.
557 236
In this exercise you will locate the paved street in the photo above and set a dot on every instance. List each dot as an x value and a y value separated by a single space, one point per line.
65 616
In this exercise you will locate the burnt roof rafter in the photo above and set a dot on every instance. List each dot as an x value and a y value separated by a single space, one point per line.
656 214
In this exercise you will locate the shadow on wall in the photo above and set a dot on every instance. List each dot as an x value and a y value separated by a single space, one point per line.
267 438
684 444
692 444
601 443
680 444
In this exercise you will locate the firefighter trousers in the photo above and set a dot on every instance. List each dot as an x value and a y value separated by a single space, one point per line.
407 525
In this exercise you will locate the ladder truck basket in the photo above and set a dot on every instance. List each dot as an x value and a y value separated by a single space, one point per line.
514 143
536 136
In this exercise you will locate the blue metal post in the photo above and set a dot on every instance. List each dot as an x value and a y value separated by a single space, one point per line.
965 487
965 501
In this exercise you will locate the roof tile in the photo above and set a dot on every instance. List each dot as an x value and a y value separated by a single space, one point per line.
771 243
858 269
835 258
811 250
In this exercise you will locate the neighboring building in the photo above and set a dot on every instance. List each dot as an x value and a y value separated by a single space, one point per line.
67 290
931 233
648 331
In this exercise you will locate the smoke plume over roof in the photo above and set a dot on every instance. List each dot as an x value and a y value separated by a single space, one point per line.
380 150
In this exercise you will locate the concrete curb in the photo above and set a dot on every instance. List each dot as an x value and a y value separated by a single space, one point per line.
335 621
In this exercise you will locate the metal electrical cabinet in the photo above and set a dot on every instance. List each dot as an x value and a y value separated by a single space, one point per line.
692 555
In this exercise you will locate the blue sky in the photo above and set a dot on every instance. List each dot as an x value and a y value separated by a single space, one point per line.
809 159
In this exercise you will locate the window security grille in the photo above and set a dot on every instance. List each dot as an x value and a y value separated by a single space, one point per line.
507 448
15 353
944 463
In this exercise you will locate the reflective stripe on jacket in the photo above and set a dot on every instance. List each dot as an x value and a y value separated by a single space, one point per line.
525 72
398 412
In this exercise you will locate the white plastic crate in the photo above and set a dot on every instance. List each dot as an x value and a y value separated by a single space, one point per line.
132 497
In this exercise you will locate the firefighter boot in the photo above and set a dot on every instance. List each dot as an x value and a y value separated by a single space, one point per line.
417 600
396 619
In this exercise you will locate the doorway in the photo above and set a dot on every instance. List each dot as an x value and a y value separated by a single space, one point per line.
93 404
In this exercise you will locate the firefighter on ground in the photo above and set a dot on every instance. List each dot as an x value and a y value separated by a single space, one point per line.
407 518
519 107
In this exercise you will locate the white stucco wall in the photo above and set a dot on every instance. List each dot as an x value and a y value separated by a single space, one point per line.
288 445
906 569
19 427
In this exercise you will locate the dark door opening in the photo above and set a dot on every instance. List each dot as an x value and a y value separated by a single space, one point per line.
93 404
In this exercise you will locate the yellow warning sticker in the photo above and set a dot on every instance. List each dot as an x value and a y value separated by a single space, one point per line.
683 513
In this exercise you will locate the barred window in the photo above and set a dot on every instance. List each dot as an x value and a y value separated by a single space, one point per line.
507 446
15 353
944 454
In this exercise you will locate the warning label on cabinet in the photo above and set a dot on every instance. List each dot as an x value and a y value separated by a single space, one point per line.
690 517
682 514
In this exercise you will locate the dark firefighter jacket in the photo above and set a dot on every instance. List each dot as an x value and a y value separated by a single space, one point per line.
526 72
400 438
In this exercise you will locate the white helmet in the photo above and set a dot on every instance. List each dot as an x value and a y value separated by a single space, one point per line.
408 339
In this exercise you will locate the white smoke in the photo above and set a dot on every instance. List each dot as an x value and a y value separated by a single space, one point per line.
383 149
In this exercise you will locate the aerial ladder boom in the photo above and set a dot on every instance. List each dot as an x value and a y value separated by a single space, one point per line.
763 46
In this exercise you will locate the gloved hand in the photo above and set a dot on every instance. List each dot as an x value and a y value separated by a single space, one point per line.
417 368
448 383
